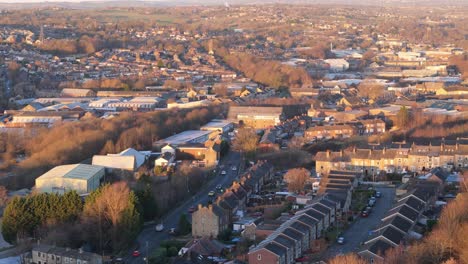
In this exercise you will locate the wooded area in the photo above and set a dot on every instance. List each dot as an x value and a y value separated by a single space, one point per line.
78 141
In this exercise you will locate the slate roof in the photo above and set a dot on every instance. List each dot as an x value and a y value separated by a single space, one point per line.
292 233
275 248
377 247
314 214
398 222
405 211
391 234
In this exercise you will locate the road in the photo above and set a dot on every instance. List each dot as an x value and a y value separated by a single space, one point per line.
149 239
358 232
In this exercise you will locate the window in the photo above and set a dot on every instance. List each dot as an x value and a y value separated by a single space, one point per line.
259 257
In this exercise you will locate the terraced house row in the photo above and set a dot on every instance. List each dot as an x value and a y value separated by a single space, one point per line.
403 221
396 159
303 231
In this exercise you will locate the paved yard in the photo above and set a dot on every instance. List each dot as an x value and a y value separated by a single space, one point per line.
358 232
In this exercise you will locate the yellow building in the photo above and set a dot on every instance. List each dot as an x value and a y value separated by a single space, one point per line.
413 158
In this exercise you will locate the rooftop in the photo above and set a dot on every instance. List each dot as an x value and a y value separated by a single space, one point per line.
73 171
185 137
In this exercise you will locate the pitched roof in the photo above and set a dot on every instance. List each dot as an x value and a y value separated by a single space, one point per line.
390 233
378 247
117 162
398 222
292 233
405 211
276 249
314 214
303 228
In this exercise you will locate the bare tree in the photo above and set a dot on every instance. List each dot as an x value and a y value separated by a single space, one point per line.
296 179
348 259
246 141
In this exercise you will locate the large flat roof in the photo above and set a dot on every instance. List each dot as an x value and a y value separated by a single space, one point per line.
217 123
185 137
73 171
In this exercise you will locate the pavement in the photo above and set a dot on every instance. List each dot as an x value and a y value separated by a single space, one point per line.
149 239
358 232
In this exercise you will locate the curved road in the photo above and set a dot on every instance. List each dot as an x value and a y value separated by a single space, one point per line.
149 239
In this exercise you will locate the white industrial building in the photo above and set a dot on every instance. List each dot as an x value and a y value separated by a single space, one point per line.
82 178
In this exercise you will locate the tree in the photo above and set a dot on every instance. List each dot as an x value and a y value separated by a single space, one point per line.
184 225
110 214
147 202
224 148
296 179
403 117
246 141
371 90
3 196
348 259
24 215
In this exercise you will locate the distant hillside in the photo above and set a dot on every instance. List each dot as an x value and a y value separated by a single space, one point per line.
20 4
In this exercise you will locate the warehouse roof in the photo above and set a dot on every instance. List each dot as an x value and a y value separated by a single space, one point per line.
73 171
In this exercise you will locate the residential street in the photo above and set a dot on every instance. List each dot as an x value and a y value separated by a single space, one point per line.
149 239
358 232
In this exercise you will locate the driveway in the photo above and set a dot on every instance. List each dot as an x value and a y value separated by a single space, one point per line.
149 239
358 232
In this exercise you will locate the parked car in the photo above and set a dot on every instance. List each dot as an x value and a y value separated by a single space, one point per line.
378 194
340 240
223 172
234 168
302 259
365 213
211 194
172 232
159 227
